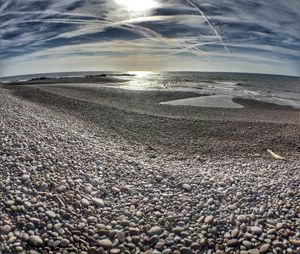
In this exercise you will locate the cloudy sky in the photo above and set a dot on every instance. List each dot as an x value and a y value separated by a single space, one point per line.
39 36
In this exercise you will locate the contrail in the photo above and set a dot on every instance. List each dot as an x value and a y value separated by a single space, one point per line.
152 35
195 45
196 7
124 25
4 6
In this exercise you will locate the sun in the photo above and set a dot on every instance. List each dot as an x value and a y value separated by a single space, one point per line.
138 6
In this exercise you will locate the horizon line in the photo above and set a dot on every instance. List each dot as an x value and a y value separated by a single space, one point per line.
154 72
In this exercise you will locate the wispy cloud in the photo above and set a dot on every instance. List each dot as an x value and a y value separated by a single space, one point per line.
209 23
207 32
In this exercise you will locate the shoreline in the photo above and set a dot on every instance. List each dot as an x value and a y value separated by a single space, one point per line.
146 102
138 118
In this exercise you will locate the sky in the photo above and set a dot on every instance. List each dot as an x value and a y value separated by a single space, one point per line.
42 36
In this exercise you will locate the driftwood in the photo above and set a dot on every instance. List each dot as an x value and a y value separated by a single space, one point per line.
275 156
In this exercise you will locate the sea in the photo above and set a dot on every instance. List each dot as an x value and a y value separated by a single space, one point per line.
219 88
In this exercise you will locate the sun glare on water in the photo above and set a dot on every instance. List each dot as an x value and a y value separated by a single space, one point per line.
138 5
141 74
141 80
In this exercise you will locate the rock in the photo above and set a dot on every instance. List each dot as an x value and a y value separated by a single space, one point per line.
9 203
12 239
35 241
185 250
95 182
247 244
105 243
98 202
66 216
27 205
155 231
115 251
33 252
186 187
234 233
64 243
5 229
160 245
209 219
134 231
264 248
233 243
19 249
242 218
177 230
43 186
295 242
256 230
50 214
278 244
25 177
210 201
85 202
154 239
239 194
120 236
253 251
115 189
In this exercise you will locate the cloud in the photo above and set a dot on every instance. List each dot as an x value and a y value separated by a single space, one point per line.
229 31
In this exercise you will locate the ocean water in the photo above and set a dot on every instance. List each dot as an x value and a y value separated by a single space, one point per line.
219 88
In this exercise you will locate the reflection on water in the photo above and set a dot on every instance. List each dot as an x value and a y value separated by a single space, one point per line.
142 80
281 90
141 74
214 101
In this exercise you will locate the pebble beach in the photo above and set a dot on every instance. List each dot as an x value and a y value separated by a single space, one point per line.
69 185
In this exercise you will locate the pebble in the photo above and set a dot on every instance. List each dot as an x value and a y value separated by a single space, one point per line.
155 231
64 243
242 218
186 187
115 251
25 177
120 236
19 249
209 219
185 250
35 240
50 214
247 244
278 244
256 230
264 248
233 243
253 251
98 202
105 243
68 188
85 202
5 229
